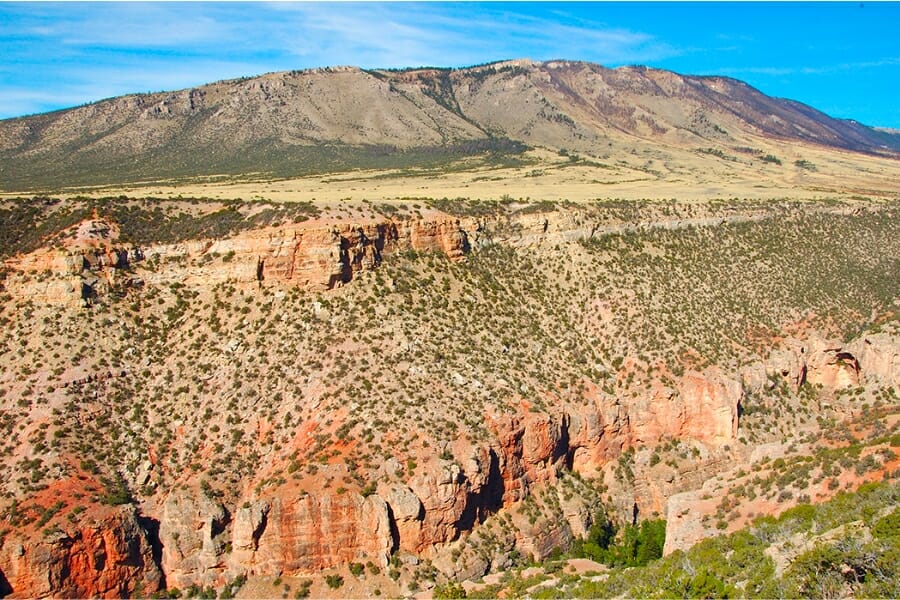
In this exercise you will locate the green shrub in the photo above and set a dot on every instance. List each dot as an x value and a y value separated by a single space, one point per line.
449 590
634 546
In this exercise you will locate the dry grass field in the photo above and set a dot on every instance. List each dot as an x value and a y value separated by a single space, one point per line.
805 172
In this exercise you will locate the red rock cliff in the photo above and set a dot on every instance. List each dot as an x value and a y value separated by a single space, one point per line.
110 557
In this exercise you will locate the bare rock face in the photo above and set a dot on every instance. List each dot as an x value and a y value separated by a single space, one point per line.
544 445
315 256
110 557
249 523
788 363
528 450
707 409
202 544
598 433
829 365
444 495
443 235
407 513
701 406
304 534
64 291
878 357
682 530
824 362
192 532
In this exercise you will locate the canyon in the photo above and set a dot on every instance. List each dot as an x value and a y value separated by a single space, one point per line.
257 340
577 451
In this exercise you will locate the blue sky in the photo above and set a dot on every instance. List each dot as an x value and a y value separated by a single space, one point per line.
842 58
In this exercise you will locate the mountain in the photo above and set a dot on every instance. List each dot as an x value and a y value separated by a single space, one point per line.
332 119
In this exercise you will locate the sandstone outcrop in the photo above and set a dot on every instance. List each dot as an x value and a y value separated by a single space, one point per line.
702 406
110 557
515 458
444 235
314 255
878 358
830 366
444 496
530 450
308 533
407 513
820 362
684 527
292 534
193 537
282 535
817 361
250 521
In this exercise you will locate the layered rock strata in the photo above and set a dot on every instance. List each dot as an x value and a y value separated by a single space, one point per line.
314 256
296 533
109 557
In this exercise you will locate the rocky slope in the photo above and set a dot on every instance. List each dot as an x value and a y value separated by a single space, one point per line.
300 122
434 392
843 547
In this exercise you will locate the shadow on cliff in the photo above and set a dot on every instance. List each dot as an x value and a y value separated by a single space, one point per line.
151 530
486 502
395 531
5 588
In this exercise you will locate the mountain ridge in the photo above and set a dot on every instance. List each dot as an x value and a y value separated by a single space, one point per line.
340 118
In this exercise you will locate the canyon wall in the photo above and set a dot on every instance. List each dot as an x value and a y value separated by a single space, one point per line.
110 556
296 533
311 255
202 541
317 255
828 364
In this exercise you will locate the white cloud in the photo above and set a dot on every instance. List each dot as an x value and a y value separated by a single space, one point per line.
821 70
87 52
416 34
135 25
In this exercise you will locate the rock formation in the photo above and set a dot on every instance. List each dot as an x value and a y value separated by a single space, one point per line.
878 358
110 557
192 533
703 406
314 256
207 543
308 533
522 452
815 361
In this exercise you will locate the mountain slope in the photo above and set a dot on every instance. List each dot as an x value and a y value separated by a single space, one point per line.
321 120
